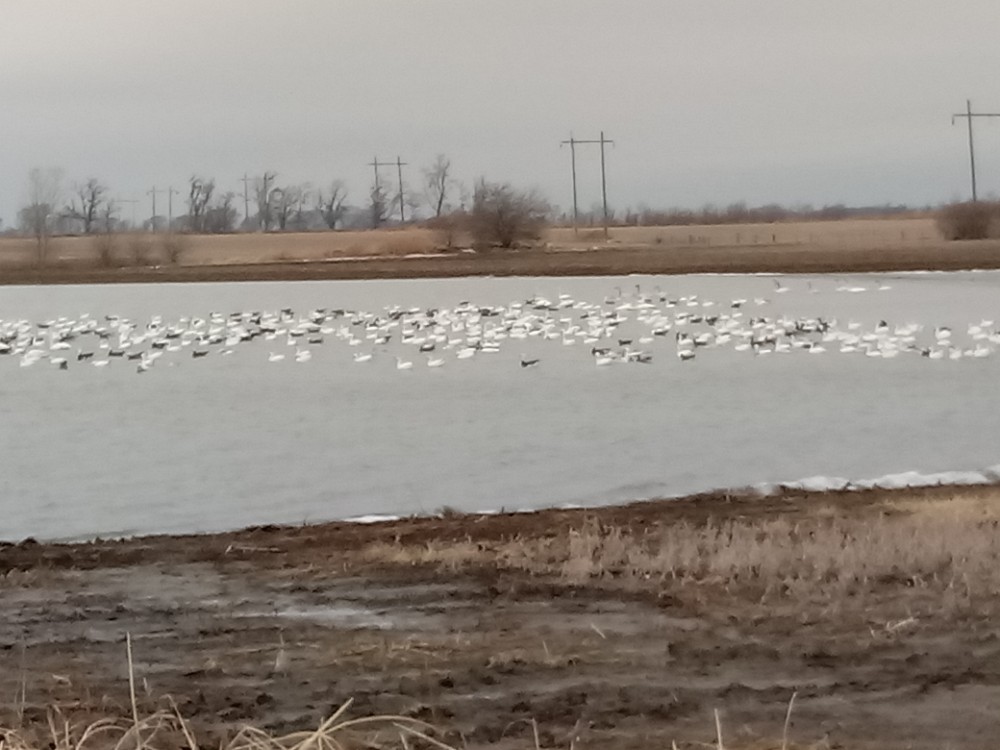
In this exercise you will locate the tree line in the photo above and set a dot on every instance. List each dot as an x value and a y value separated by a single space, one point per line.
492 213
88 207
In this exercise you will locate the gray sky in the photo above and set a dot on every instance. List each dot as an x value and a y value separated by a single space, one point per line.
792 101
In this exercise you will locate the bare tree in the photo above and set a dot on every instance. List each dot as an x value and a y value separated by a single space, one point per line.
108 221
220 215
263 187
85 205
38 216
378 205
414 202
438 184
502 215
331 204
287 204
104 239
299 215
199 196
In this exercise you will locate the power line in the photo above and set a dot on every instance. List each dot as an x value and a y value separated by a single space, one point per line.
375 164
969 114
134 202
573 142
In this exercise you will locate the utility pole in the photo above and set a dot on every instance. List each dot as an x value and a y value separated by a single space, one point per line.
399 167
969 114
572 157
375 164
170 208
152 219
604 185
265 207
246 199
573 142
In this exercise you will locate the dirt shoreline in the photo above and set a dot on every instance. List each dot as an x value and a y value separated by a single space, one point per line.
617 260
277 626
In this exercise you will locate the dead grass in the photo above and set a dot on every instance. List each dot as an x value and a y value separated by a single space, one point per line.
970 221
168 729
227 248
949 545
140 249
200 250
174 246
844 234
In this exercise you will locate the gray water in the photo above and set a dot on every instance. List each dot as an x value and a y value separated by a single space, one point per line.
223 442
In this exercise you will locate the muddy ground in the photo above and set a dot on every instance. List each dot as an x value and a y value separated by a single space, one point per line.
542 261
278 626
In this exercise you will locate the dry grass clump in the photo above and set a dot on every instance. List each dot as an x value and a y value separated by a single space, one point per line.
449 230
110 249
451 556
140 248
105 248
168 729
403 242
174 245
972 220
944 544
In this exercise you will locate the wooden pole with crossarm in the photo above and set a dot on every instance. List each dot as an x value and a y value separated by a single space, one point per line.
573 142
969 114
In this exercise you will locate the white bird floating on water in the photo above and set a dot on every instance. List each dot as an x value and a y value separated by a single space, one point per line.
626 328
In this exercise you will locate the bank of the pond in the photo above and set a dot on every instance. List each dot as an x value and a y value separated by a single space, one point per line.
619 627
599 261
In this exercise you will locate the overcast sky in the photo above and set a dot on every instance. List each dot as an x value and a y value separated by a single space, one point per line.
797 101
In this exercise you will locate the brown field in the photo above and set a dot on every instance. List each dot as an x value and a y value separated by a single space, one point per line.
817 235
318 246
808 247
618 627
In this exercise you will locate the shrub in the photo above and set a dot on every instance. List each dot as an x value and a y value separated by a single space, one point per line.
969 221
105 244
174 246
139 246
447 229
504 216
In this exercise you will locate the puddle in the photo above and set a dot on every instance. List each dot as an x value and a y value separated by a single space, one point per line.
338 615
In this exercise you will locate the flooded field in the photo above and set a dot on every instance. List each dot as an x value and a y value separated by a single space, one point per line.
169 408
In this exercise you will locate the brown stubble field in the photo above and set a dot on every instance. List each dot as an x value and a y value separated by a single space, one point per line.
808 247
618 627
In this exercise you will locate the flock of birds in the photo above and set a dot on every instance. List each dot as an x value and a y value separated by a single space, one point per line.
624 328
